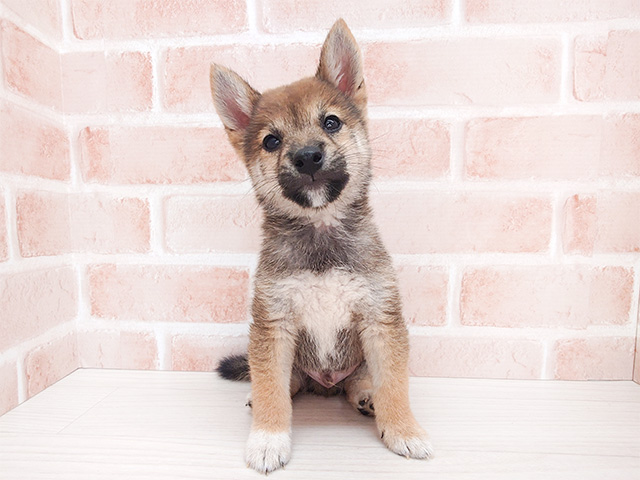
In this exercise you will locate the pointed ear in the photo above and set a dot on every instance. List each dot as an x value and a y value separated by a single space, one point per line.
233 98
341 62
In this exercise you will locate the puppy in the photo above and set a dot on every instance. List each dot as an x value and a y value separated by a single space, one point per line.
326 311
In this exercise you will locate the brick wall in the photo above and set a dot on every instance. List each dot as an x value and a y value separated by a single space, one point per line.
507 180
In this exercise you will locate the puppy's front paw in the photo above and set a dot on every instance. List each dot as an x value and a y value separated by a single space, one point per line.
268 451
410 445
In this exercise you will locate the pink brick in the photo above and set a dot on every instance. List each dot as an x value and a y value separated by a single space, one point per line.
9 390
567 147
34 302
620 148
543 11
424 294
30 68
440 222
607 68
409 149
494 71
169 293
606 358
284 16
186 77
53 223
32 145
477 357
120 19
118 349
4 248
605 223
42 14
158 155
541 296
202 353
96 82
48 363
223 223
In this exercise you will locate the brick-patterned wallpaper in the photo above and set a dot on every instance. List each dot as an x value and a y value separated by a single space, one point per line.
506 137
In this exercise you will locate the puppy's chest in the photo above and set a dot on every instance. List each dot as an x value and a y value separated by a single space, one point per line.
323 308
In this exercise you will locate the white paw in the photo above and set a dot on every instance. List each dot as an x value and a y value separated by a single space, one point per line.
411 447
268 451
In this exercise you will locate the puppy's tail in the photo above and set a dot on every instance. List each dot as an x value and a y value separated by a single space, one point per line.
234 367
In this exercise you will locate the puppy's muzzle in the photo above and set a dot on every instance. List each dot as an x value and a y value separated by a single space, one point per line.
308 160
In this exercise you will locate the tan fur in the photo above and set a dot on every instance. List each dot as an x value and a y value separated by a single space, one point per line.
326 302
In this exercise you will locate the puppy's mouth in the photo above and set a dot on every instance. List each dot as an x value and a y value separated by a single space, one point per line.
314 190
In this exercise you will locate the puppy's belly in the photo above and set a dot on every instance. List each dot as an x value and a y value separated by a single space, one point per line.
331 378
324 308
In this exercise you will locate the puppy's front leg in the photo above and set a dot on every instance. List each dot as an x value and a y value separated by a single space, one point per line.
386 350
271 353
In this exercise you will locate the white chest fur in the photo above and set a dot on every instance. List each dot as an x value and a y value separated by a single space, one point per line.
322 303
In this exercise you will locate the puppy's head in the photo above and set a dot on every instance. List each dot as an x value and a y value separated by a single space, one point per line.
305 144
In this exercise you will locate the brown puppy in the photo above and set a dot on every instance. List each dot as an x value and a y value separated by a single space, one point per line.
326 312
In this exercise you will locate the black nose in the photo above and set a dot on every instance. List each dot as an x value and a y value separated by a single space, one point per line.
308 160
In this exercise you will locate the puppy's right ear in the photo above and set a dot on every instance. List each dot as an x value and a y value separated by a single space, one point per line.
234 100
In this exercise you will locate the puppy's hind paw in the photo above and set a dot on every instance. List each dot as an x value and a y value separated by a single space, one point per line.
268 451
365 405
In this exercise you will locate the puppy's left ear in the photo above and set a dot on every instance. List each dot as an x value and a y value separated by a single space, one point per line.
341 62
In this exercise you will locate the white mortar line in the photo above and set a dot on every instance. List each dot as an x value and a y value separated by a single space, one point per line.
21 350
74 157
457 13
157 68
254 17
435 33
26 182
167 329
635 301
43 38
204 190
454 292
457 151
249 260
557 226
48 113
163 344
67 23
525 333
469 112
546 369
22 378
505 188
233 260
13 245
523 260
84 300
443 112
566 70
157 227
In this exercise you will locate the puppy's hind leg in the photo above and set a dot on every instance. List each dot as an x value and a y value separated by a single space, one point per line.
359 390
297 383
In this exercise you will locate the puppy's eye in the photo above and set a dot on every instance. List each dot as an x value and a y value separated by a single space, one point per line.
271 143
332 124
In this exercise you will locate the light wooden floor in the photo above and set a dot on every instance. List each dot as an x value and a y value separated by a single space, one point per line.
99 424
